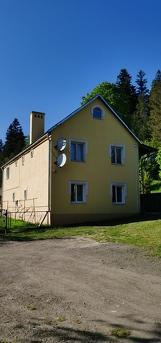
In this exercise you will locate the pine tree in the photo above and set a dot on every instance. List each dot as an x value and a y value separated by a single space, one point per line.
140 118
15 140
155 109
126 97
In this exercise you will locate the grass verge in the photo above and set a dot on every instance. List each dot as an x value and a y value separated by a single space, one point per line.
143 233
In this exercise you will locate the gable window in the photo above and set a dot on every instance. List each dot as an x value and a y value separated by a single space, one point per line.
78 191
7 173
97 113
77 151
118 193
117 154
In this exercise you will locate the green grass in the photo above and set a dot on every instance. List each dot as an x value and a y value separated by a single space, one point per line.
142 233
156 186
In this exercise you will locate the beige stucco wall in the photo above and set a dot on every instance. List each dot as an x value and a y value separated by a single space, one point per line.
30 174
97 170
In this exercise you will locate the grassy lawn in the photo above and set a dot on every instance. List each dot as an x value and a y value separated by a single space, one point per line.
142 233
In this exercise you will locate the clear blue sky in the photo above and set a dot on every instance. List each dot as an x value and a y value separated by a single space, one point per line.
52 52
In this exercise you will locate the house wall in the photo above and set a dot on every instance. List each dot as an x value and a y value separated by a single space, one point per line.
97 170
30 174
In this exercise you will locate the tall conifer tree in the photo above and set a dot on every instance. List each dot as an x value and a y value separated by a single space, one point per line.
126 96
155 109
140 122
15 139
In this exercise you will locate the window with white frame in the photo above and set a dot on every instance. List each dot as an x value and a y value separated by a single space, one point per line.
77 151
7 173
97 112
119 193
117 153
78 192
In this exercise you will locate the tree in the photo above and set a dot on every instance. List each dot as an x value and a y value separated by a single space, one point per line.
15 140
140 118
155 109
126 97
1 160
106 89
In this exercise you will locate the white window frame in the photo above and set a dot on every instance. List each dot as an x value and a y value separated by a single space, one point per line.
85 191
7 173
122 147
78 141
102 114
124 193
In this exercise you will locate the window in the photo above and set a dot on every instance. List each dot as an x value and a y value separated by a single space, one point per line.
13 197
118 193
117 154
97 113
7 173
77 151
78 192
25 194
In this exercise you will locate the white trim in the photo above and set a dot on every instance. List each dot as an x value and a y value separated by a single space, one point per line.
102 110
85 190
124 192
85 149
122 146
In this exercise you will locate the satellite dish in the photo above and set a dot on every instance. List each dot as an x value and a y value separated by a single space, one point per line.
61 144
61 160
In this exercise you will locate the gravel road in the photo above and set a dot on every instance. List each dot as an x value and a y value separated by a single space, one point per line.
77 290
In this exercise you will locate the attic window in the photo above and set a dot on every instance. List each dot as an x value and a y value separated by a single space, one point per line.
97 113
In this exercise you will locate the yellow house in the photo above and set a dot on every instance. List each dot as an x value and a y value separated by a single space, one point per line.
85 168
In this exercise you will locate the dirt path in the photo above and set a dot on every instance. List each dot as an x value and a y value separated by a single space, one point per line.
77 290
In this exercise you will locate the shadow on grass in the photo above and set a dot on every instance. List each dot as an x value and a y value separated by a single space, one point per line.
29 232
69 334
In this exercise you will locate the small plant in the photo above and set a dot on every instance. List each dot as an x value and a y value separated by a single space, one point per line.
31 307
120 332
61 319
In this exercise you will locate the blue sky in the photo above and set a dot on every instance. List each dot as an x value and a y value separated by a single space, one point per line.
52 52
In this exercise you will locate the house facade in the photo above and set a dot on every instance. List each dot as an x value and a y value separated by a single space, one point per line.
85 168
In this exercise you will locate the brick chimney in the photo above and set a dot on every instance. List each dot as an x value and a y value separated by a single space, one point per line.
37 120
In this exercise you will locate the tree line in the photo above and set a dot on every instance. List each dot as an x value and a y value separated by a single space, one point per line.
138 106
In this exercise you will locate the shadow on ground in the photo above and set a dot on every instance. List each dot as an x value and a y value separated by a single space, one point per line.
69 334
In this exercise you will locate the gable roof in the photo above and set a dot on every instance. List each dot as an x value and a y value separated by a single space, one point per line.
74 113
143 148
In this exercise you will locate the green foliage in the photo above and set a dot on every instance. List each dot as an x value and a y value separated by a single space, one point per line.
126 97
15 140
120 332
141 114
158 160
155 108
148 170
106 90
